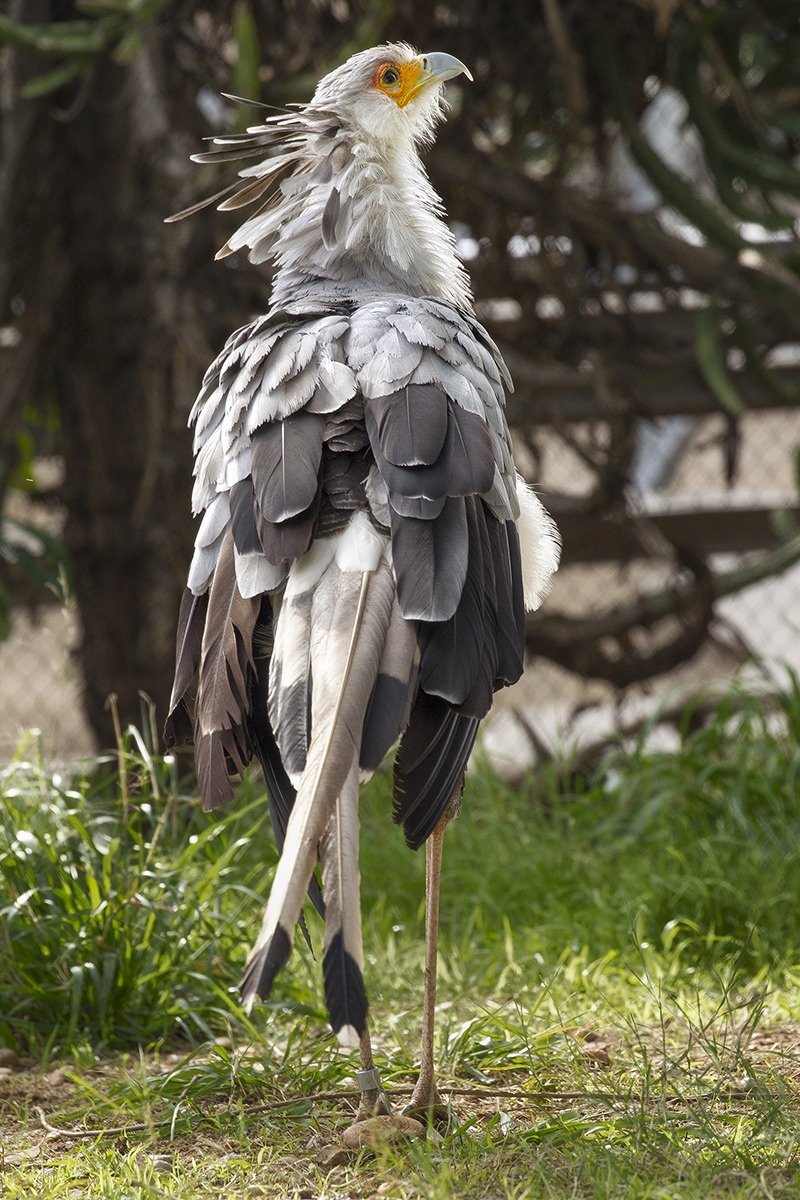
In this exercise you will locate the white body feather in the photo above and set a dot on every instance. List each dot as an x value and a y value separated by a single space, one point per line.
539 544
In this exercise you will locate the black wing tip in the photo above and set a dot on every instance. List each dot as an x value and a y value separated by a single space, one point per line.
430 765
416 832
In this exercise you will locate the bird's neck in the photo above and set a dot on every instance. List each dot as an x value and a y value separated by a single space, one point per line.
382 231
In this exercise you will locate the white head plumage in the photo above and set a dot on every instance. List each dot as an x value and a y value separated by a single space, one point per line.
346 206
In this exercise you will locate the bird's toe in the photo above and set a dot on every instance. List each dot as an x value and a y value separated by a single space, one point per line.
426 1105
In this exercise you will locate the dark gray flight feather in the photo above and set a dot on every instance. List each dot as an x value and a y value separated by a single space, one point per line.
243 518
290 538
189 640
429 766
222 694
504 543
470 454
430 562
455 652
386 715
416 506
465 659
411 424
286 458
465 465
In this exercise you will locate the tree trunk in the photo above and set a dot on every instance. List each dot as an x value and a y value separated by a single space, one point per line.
133 311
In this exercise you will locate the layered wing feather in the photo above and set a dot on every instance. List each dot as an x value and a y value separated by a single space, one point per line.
179 727
226 662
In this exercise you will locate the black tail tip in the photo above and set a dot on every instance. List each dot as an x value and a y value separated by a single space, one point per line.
263 966
345 994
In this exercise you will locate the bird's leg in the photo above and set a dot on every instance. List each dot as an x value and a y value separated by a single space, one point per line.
375 1123
425 1099
373 1102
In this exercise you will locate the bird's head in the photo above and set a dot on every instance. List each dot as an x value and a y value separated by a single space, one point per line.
389 94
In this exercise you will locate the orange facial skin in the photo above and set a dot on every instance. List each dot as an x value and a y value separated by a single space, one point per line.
400 81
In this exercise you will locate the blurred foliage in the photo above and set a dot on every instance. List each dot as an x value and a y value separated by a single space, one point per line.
107 26
34 563
34 567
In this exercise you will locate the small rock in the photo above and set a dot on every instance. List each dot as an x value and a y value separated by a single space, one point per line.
597 1054
54 1078
20 1158
382 1130
9 1059
5 1073
159 1162
331 1156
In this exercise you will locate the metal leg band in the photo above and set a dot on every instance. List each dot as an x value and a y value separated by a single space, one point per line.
369 1081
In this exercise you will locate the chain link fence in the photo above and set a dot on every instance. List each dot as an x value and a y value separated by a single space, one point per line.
682 465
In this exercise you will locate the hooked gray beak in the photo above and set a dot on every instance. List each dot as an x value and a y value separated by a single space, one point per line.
438 67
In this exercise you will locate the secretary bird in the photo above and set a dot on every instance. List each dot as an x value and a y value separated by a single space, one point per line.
366 551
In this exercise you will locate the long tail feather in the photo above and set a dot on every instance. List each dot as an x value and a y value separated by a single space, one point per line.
350 615
280 793
342 963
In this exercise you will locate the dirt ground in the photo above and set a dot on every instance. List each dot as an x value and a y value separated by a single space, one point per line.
39 1121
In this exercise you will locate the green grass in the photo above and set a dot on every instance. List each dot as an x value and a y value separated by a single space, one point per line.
619 983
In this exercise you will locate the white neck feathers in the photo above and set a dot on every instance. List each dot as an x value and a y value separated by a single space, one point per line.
350 218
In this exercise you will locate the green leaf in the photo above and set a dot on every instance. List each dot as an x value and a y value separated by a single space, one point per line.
711 360
56 38
246 77
129 46
51 81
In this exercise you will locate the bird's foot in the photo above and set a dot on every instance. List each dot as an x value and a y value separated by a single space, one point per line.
375 1123
426 1104
372 1104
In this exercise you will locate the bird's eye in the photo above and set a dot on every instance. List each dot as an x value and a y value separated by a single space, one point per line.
390 77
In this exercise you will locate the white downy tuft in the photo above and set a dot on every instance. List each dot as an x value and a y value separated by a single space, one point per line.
539 543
